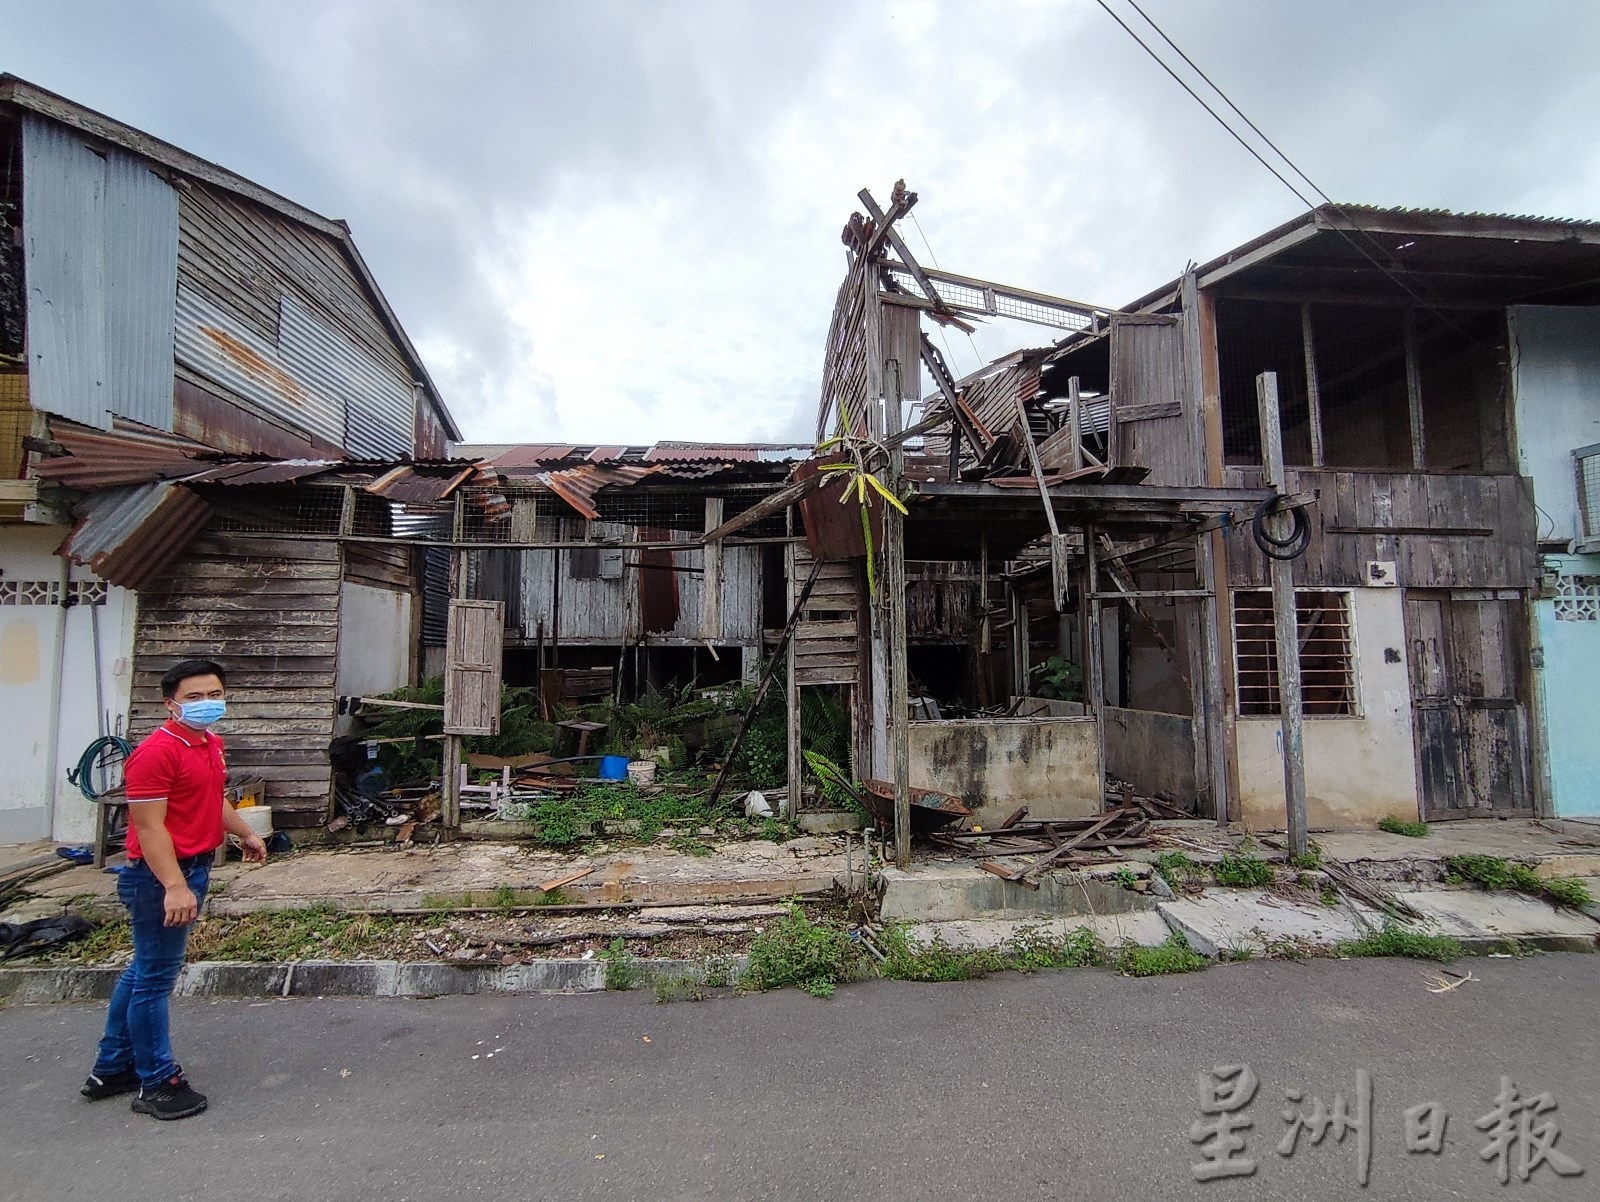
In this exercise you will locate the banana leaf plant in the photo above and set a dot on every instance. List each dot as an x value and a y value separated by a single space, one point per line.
867 456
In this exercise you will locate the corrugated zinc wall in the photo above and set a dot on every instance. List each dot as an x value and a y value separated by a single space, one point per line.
101 254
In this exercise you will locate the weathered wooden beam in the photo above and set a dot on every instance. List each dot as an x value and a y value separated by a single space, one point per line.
1284 618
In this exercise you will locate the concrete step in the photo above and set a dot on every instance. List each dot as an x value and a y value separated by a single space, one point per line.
1484 921
946 892
1257 922
1141 927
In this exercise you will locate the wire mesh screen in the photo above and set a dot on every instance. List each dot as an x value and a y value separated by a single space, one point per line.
1588 467
510 516
1327 660
998 301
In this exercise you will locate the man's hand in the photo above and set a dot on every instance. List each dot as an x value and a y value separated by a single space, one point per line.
252 849
181 906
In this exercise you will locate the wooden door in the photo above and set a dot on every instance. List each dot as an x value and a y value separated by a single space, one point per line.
1467 676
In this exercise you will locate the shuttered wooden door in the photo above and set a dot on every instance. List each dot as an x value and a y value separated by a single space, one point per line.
1466 696
472 668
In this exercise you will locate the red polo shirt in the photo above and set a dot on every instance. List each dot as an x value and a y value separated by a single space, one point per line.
185 768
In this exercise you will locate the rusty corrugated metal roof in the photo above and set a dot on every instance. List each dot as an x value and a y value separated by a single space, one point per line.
129 536
128 453
577 486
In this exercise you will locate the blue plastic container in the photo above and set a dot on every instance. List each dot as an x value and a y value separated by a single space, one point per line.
613 767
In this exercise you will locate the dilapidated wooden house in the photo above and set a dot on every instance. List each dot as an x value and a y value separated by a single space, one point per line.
160 319
1108 497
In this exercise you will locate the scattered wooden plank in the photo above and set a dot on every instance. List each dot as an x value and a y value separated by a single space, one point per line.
1016 816
556 882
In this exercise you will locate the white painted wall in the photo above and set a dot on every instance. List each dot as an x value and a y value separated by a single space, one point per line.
1357 769
52 708
1556 390
374 640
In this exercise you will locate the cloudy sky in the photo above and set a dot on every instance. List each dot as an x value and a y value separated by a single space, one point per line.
619 221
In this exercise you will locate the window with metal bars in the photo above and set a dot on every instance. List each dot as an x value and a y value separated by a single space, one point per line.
1327 653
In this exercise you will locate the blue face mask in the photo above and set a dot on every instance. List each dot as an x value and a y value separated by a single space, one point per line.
201 714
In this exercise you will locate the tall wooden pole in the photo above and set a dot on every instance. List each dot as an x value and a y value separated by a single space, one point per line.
894 591
1284 621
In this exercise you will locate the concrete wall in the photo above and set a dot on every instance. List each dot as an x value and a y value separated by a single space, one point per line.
1152 752
374 640
996 764
48 695
1357 769
1568 682
1556 399
1556 391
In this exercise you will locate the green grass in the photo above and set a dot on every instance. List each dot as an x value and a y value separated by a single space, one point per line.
1395 940
1494 873
1126 877
1173 956
812 955
1242 870
1329 896
1400 826
690 846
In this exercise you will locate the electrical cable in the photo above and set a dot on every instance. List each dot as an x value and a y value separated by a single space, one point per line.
1222 121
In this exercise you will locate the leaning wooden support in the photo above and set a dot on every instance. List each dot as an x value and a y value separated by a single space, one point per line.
761 690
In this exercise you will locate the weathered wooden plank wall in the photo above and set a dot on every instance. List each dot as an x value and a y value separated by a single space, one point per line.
1441 531
1148 400
268 610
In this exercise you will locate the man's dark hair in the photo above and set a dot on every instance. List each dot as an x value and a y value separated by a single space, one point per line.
183 670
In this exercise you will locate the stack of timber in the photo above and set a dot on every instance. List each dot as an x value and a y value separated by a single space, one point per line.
1072 843
268 610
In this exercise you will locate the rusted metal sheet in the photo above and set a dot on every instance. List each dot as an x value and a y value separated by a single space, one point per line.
129 536
101 257
231 428
127 454
577 486
379 407
833 527
414 484
219 347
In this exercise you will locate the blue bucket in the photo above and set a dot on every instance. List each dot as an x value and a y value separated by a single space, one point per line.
613 767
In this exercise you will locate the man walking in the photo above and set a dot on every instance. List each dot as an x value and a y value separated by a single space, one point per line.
176 818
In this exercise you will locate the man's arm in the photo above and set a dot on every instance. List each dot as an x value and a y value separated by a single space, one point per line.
149 819
250 844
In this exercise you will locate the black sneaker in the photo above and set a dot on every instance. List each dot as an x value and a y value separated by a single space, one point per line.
173 1099
96 1088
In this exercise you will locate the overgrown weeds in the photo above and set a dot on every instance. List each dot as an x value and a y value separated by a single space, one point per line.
1396 940
815 956
622 966
1174 867
1166 959
1494 873
1242 870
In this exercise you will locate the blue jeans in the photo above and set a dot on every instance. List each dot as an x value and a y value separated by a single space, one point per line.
136 1025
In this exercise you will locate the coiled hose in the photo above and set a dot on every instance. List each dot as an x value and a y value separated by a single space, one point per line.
83 774
1292 547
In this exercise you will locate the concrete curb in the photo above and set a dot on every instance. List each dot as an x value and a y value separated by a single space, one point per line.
343 978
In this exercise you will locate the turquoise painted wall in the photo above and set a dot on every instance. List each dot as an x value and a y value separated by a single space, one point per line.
1571 680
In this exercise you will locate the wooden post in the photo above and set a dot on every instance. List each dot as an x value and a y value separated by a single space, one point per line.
1313 386
1075 423
450 802
711 576
791 693
1414 394
1094 654
1285 623
894 554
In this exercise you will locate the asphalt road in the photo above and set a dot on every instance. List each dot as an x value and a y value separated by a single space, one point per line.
1075 1085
